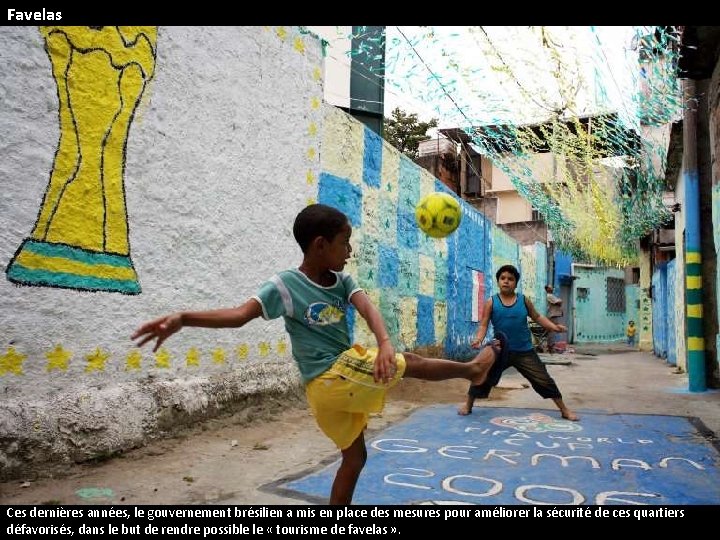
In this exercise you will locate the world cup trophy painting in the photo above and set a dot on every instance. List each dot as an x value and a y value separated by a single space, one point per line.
80 239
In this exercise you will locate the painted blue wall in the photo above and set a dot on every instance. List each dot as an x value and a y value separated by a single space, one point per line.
563 267
660 310
469 248
593 323
671 323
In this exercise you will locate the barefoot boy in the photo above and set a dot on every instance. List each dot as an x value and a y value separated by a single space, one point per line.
508 312
343 382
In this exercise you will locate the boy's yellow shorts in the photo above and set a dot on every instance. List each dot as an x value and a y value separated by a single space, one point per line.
342 397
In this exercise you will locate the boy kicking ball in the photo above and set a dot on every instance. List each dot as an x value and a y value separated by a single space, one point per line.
343 382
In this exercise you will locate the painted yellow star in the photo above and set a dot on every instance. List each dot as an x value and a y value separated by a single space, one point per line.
162 359
218 356
96 361
58 358
312 129
314 102
192 358
281 347
11 362
264 348
281 32
310 177
299 45
311 153
317 74
310 201
242 351
132 362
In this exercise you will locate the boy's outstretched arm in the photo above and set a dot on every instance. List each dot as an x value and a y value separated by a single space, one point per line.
385 366
542 320
483 328
164 327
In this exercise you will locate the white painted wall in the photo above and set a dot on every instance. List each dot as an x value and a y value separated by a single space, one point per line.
222 154
337 63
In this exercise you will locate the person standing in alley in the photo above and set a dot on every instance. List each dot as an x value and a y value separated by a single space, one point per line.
508 311
554 313
630 333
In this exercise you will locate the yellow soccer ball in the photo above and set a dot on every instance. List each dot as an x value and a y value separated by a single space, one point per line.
438 214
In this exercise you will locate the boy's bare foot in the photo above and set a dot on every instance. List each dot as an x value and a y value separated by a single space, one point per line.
566 413
464 410
484 361
486 358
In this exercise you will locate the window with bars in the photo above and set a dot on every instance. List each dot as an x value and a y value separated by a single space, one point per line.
615 295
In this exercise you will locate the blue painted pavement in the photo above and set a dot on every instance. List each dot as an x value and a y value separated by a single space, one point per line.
526 456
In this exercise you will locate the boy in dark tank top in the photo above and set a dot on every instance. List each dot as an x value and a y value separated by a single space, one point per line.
508 311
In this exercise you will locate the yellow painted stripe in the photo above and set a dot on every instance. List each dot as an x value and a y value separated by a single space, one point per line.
696 344
694 282
34 261
693 257
695 310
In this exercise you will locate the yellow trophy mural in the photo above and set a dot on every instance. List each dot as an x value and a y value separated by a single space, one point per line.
80 240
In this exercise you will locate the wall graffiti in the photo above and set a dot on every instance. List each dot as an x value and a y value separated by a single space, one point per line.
80 239
401 269
99 360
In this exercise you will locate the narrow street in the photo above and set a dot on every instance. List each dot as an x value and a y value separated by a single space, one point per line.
276 454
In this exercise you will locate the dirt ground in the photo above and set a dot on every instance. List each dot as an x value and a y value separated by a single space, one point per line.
225 460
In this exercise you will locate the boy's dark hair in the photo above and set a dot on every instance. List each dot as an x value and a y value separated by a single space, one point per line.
317 220
507 268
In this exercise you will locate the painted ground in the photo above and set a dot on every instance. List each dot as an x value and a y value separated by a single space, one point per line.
526 456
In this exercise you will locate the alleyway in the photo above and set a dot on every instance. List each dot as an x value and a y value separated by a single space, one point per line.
239 461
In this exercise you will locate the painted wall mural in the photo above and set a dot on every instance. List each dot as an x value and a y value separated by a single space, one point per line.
58 359
80 237
645 324
80 240
155 139
403 270
470 256
430 291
